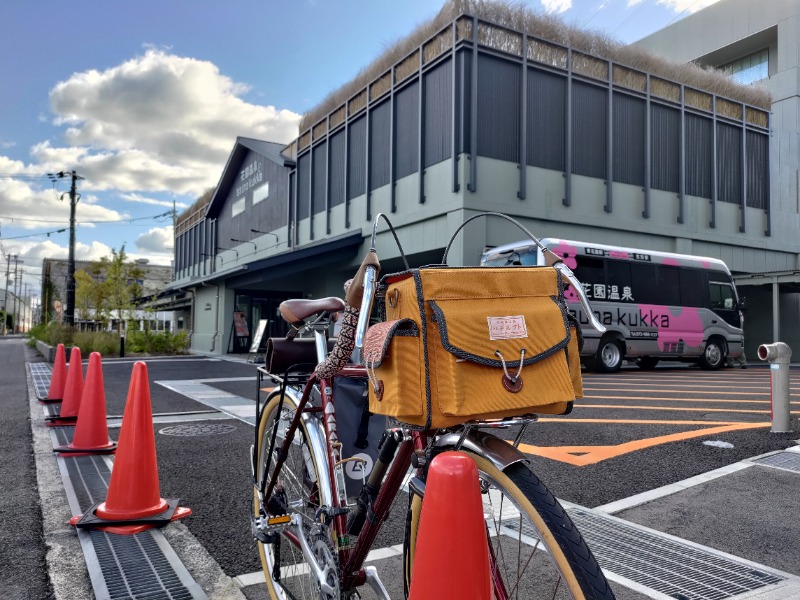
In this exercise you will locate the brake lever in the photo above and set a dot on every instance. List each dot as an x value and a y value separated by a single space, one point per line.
567 273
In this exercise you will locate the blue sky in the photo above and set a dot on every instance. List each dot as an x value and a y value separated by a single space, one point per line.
145 100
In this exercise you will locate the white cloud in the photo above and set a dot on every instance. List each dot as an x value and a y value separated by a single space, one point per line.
158 240
691 6
556 6
157 122
138 198
44 209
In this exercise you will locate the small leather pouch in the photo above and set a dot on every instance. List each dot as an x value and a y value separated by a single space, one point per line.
283 353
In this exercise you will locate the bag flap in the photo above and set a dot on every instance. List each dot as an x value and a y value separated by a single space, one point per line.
440 283
476 330
376 342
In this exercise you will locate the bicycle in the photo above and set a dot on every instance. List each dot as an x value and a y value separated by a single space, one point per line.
313 540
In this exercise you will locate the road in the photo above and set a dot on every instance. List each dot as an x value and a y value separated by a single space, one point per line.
634 431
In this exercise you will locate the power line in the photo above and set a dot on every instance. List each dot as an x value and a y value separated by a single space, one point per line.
165 214
47 233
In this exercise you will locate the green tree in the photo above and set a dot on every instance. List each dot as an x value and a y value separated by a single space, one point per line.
121 286
89 294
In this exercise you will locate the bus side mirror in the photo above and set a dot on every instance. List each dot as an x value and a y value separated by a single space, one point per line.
742 303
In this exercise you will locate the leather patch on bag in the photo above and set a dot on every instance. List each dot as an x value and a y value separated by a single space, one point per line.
507 328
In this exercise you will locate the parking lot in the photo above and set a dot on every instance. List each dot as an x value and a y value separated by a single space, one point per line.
634 432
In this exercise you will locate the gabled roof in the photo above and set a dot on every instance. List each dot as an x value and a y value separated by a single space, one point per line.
269 150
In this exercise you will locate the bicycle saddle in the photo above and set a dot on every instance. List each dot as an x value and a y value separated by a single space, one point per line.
297 310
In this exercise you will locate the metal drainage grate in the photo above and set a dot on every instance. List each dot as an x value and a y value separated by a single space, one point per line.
784 460
40 374
134 567
199 429
672 567
128 566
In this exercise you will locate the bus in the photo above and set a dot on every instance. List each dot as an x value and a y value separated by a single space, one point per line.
656 306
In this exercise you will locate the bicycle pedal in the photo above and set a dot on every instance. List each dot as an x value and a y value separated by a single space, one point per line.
266 529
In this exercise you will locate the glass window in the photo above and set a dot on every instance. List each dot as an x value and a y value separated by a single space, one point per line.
750 69
691 287
591 273
261 193
721 296
237 207
644 284
669 287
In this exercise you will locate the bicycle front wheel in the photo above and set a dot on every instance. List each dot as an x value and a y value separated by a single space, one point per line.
535 549
302 488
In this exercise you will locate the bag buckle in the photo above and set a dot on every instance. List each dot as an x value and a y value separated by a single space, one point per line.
511 384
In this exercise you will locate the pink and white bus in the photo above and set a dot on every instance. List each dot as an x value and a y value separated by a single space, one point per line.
655 305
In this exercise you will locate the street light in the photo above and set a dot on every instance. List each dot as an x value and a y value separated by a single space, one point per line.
255 246
266 233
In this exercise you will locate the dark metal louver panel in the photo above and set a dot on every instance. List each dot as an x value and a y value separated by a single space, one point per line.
357 158
757 170
699 143
629 123
303 186
380 141
438 119
589 130
665 140
336 172
319 180
499 88
547 101
729 163
407 130
463 120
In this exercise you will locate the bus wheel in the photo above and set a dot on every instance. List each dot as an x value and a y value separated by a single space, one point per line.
713 356
647 362
609 356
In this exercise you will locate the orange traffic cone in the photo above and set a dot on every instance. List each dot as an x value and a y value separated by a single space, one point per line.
134 501
91 430
73 390
57 380
451 560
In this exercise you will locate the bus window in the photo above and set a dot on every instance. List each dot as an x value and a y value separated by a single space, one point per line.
691 287
669 287
619 281
721 296
591 273
645 284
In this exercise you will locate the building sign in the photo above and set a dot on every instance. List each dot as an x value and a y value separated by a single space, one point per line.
249 177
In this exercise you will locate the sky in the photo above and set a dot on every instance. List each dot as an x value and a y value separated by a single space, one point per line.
144 101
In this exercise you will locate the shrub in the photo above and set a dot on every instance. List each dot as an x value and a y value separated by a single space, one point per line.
58 333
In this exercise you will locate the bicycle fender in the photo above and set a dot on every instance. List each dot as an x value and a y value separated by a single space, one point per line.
499 452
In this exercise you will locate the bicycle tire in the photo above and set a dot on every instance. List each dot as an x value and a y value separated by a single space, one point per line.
301 478
564 568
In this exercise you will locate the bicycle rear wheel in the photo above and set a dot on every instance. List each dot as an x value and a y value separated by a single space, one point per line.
535 548
303 487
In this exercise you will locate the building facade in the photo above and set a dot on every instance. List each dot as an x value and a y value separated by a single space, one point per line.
481 115
154 278
758 43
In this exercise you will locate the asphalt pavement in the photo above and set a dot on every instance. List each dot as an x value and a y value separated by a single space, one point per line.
739 502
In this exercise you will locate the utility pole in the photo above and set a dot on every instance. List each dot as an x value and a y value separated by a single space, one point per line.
69 311
5 297
16 281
